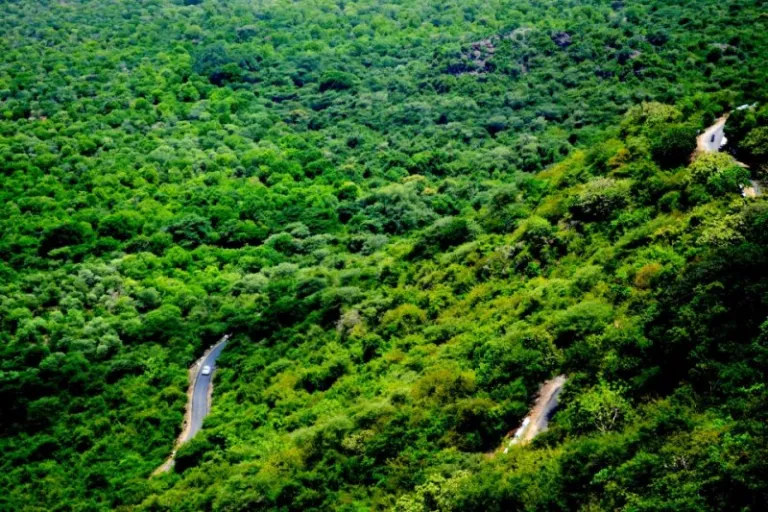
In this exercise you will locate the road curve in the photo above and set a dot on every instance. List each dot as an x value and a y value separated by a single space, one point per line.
542 411
200 405
713 137
545 407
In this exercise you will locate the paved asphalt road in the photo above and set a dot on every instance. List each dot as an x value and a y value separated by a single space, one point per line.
542 411
542 421
712 138
200 403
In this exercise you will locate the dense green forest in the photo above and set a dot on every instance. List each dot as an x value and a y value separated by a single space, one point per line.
408 214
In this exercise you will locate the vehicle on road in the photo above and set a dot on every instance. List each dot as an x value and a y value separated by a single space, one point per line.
199 404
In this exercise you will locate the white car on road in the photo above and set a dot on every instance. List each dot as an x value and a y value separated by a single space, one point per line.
206 370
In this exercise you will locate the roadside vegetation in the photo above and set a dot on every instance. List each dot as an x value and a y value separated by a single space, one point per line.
409 216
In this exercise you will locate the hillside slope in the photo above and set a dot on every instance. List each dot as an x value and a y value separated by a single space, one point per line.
409 215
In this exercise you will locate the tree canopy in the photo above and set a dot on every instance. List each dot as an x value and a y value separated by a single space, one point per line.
408 215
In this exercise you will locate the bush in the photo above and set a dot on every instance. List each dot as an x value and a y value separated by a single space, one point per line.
191 230
719 172
337 81
403 319
443 234
600 199
673 145
191 453
65 234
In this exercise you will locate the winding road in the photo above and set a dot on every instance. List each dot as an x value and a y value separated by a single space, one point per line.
198 401
713 137
200 404
545 407
542 411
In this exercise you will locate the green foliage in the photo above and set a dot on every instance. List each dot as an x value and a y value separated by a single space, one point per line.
602 407
719 172
747 132
408 215
600 199
444 234
755 144
336 81
673 145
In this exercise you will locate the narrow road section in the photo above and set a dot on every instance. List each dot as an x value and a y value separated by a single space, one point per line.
203 386
754 190
198 399
542 411
713 137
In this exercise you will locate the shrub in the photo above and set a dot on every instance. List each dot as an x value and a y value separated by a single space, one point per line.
337 81
600 199
443 234
673 145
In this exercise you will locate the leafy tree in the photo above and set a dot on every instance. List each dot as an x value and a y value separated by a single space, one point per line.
191 230
65 234
443 234
673 145
719 172
407 216
603 408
